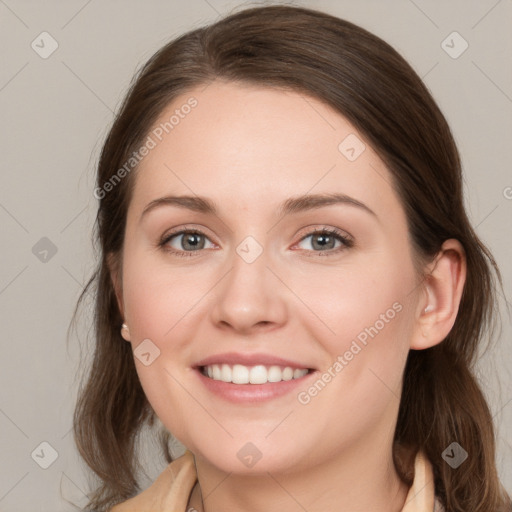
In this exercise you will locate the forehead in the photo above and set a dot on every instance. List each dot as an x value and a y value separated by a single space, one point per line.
257 146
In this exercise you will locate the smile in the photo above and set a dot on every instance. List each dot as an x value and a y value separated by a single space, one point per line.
259 374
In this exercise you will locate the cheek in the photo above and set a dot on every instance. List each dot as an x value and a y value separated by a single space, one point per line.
363 319
159 305
159 298
366 300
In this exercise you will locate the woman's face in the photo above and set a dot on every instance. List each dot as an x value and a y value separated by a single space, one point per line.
258 288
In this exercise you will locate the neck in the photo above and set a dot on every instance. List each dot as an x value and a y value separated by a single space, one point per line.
358 478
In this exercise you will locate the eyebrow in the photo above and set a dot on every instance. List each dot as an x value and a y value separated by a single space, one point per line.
292 205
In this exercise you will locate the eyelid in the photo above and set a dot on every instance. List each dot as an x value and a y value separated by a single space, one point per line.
346 239
186 228
321 228
181 230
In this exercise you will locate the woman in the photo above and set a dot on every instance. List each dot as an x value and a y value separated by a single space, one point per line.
288 281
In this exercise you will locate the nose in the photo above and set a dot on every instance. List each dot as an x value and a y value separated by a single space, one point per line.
251 297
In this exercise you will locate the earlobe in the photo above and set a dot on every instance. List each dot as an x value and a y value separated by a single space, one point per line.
443 286
125 332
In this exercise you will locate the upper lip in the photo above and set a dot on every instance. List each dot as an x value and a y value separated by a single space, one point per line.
232 358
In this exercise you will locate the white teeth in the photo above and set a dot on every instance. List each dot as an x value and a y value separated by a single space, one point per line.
225 373
287 373
240 374
259 374
274 374
297 374
216 372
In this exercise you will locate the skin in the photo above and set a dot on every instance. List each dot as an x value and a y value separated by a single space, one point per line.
249 148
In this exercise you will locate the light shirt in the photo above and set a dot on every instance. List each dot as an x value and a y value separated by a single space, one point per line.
170 492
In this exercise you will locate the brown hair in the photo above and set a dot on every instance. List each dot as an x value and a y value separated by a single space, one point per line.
370 84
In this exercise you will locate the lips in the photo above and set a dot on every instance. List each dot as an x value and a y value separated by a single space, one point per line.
247 378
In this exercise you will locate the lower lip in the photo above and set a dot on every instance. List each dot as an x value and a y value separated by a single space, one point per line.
248 393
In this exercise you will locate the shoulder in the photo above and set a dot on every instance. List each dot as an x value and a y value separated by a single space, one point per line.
170 491
438 506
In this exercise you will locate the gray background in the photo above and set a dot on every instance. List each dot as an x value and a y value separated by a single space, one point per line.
55 113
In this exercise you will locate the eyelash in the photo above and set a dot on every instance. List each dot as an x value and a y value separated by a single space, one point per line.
346 241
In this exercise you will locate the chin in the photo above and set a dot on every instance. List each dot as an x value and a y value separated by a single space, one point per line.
247 457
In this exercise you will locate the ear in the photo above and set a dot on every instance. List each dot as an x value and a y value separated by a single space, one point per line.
113 264
441 294
114 267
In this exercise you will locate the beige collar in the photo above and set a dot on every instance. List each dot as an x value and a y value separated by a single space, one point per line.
170 492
